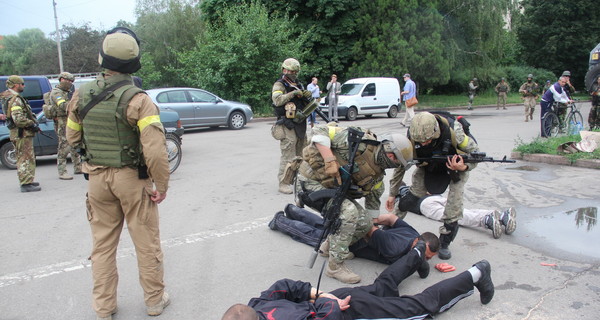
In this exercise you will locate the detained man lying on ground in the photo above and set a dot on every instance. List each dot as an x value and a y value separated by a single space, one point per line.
288 299
387 244
432 207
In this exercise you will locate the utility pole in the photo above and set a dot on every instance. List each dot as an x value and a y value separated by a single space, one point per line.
60 59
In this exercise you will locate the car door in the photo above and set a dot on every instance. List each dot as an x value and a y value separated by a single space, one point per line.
176 100
368 99
208 108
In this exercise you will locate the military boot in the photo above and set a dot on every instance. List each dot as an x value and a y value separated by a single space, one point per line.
447 234
492 222
30 188
526 118
285 188
341 272
531 115
509 220
65 176
324 248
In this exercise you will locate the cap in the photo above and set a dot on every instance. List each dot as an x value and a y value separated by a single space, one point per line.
66 75
406 75
12 80
566 73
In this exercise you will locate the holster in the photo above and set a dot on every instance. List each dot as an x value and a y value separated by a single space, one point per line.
290 170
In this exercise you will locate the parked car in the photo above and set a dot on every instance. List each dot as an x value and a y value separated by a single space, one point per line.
46 144
200 108
367 96
35 87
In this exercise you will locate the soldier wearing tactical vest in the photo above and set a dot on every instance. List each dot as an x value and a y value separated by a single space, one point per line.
59 99
320 169
113 121
289 99
432 135
529 92
502 89
23 126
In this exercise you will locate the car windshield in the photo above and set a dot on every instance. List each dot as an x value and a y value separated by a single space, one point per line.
350 88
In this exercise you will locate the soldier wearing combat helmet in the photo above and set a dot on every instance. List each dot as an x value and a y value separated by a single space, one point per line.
289 99
320 169
126 161
23 126
59 99
529 91
434 135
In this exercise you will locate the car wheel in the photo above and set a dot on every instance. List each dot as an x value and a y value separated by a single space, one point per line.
8 155
236 120
393 112
352 114
174 153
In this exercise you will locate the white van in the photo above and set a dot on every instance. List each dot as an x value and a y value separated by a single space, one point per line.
368 96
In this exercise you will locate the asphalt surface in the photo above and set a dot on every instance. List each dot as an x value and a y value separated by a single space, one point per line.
219 250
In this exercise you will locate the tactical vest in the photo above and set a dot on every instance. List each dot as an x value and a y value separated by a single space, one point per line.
280 112
366 170
445 145
7 99
530 89
108 138
502 88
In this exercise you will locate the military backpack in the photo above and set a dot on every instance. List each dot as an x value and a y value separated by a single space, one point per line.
49 108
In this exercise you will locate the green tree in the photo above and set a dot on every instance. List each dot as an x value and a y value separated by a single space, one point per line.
240 57
17 52
559 35
80 46
165 27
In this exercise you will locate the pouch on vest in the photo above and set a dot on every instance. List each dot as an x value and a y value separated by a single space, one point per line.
290 110
290 170
48 108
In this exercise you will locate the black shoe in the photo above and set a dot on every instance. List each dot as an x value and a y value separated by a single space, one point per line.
35 183
272 225
30 188
485 284
423 269
444 253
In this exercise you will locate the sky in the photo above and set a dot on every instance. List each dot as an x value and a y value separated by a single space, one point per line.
27 14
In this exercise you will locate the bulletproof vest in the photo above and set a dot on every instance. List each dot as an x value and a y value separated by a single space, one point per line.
445 145
530 89
6 99
502 88
300 104
108 138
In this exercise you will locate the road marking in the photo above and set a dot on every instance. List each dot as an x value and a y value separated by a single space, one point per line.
75 265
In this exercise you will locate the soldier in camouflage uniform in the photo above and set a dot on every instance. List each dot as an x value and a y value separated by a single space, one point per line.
529 92
502 89
433 135
23 126
320 169
59 98
594 116
472 89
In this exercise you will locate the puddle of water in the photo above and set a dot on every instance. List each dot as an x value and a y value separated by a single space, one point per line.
573 231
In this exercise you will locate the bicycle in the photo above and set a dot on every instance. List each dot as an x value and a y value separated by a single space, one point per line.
553 124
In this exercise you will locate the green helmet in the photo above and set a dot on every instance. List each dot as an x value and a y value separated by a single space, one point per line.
474 79
424 127
291 64
400 146
12 80
66 75
530 76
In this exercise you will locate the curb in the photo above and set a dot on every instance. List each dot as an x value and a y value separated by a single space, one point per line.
556 159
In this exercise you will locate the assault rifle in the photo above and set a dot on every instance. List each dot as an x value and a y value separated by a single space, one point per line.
473 157
331 213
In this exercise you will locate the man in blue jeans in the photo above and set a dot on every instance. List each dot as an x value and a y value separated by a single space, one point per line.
314 89
288 299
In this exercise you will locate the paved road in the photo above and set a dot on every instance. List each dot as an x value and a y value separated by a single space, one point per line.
219 251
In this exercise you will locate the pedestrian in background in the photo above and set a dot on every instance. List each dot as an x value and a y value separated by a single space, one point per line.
472 89
409 94
128 172
502 89
333 90
313 87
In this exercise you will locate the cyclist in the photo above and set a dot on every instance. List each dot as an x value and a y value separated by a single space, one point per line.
556 93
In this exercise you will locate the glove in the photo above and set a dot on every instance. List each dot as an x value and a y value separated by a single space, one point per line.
307 94
332 169
297 93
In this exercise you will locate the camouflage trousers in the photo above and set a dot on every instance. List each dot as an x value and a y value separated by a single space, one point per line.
25 159
501 100
60 127
355 223
594 117
454 207
529 103
290 145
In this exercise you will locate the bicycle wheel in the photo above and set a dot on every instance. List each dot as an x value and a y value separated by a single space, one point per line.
551 124
574 122
173 152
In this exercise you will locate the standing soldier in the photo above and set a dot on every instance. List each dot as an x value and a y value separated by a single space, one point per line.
529 94
472 88
502 89
547 86
118 126
594 117
329 149
289 98
23 126
59 98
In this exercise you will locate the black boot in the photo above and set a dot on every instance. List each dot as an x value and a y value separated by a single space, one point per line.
485 284
447 234
407 201
30 188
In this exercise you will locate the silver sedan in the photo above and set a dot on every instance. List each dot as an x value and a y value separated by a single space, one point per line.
200 108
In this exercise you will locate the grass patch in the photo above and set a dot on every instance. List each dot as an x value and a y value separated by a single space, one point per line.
486 98
549 146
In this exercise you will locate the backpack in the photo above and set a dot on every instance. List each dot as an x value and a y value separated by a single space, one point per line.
451 119
4 99
48 108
